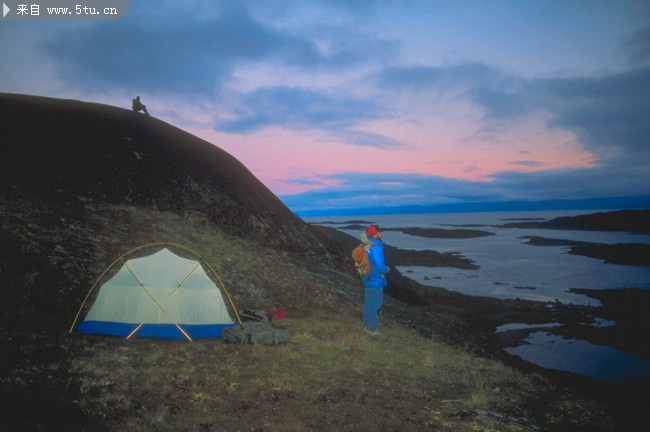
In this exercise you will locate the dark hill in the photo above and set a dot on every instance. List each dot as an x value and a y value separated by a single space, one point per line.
118 156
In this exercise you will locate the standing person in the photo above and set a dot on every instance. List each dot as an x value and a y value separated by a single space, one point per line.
138 106
375 281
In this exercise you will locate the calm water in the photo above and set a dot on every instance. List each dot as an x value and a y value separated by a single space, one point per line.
581 357
508 267
511 269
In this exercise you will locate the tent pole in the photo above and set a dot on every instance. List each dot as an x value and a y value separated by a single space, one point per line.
91 290
160 305
224 290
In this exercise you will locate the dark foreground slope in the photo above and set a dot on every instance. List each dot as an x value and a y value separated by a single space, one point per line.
82 183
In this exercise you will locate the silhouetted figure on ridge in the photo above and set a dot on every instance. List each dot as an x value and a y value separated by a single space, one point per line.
139 106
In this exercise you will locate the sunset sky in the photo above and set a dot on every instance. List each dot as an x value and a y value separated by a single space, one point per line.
341 104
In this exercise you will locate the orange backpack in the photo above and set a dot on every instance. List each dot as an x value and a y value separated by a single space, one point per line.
360 257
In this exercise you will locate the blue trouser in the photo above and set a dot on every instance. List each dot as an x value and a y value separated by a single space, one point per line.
372 304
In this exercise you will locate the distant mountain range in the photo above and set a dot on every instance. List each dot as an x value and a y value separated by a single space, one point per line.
604 203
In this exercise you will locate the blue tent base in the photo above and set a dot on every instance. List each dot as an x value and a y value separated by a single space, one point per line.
158 331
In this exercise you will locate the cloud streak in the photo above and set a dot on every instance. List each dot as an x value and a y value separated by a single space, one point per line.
609 113
298 109
195 56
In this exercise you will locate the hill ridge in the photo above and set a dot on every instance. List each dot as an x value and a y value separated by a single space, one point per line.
119 156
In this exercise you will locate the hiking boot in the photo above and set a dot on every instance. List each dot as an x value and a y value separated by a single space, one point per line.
373 332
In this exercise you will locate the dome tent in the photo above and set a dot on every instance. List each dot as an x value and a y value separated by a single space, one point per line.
161 295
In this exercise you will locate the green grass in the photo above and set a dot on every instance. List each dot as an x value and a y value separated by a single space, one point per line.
332 376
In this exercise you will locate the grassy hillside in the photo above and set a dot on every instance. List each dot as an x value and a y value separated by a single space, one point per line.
332 376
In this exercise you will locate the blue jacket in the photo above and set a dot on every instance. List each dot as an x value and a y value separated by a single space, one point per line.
378 268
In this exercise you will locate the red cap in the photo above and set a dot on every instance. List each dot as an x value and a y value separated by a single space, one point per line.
371 230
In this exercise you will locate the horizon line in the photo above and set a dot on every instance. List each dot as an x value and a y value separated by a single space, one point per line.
641 202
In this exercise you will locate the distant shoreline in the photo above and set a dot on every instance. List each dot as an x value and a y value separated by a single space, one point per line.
635 254
588 205
637 221
414 231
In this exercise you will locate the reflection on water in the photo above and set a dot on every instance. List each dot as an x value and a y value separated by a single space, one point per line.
519 326
578 356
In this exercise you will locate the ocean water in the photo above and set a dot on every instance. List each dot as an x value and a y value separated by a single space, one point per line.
510 269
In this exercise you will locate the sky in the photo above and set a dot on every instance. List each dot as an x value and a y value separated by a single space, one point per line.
337 104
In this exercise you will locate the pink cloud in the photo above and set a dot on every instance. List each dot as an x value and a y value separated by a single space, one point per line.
294 161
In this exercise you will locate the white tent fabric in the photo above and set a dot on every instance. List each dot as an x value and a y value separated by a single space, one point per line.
160 295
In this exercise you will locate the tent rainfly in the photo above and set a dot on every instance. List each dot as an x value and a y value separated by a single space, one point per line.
161 296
